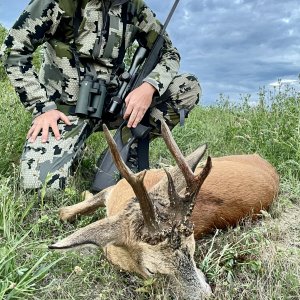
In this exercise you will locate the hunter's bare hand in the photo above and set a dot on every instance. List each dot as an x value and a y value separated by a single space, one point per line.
137 103
44 122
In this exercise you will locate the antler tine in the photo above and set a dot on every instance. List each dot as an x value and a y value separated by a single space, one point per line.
199 180
180 160
183 206
136 182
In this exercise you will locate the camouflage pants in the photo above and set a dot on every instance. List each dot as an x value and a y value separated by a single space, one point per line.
51 162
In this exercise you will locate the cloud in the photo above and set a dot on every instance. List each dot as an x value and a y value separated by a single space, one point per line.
233 47
238 46
281 82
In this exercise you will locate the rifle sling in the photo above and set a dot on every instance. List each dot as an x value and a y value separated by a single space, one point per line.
143 146
76 24
119 60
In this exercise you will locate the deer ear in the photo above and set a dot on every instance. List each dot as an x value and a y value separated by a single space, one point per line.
99 234
194 158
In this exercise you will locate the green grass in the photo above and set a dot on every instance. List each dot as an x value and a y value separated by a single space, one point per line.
258 260
251 261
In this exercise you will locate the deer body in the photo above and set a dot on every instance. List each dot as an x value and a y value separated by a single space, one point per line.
251 185
150 217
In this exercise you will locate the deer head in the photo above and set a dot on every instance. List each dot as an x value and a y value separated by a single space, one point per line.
154 233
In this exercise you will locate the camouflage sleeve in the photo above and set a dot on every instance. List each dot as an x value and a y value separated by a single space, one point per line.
168 66
37 22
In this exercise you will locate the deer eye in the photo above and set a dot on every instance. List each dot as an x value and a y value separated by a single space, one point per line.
149 272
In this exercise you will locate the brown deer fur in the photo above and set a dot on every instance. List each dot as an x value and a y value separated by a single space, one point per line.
237 186
251 185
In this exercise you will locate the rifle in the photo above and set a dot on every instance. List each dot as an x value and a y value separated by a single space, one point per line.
142 64
139 70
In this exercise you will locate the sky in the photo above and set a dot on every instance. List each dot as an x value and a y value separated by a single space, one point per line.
234 47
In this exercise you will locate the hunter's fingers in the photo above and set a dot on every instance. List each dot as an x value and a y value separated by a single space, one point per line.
128 112
45 133
35 133
55 130
30 131
64 118
127 99
138 118
132 118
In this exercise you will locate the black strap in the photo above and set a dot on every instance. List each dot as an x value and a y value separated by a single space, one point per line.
119 60
76 24
183 113
143 153
77 19
143 146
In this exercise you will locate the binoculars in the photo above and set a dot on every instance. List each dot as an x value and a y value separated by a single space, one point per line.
92 94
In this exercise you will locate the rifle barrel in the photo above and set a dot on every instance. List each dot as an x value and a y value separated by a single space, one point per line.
169 17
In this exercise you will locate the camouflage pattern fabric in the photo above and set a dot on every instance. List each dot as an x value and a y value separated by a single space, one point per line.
54 160
50 23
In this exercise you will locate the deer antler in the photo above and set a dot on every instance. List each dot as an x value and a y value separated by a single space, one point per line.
136 182
194 182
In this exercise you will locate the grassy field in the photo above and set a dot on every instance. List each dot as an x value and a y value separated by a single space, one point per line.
258 260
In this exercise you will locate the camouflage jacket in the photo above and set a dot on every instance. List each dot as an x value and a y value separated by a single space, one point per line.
50 23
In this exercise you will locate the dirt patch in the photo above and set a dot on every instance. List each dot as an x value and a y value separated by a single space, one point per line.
285 230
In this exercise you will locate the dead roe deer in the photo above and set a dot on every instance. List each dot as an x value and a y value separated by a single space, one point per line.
154 217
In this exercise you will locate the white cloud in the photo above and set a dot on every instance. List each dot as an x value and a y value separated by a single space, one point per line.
281 82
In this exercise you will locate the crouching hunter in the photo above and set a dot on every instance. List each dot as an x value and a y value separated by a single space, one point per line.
85 41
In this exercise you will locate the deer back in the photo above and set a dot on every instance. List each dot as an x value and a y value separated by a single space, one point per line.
238 186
